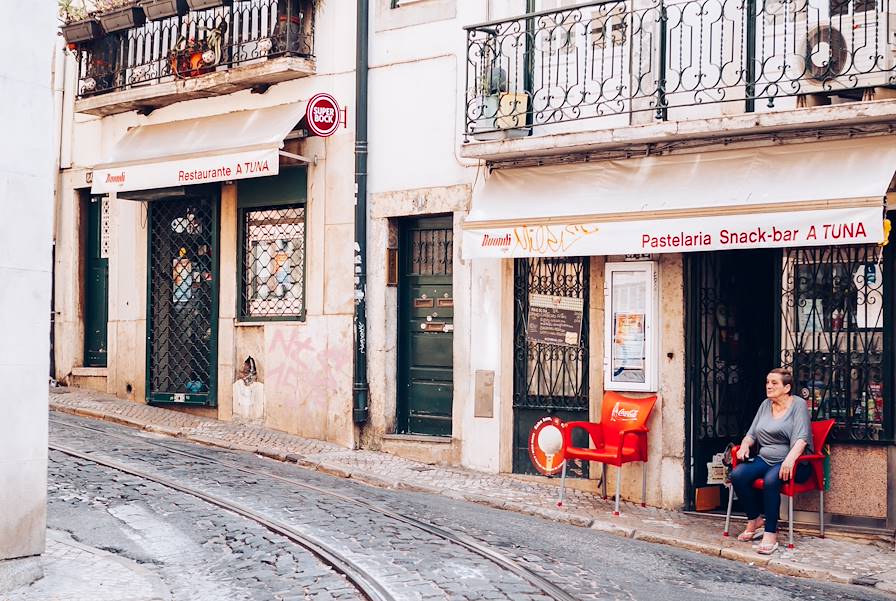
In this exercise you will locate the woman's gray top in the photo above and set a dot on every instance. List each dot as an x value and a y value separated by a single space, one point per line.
776 436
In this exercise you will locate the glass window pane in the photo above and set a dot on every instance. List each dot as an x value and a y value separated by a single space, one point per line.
833 335
274 262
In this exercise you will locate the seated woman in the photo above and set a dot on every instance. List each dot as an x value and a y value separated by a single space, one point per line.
783 430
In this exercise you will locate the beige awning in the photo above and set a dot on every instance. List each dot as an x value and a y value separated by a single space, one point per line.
812 194
232 146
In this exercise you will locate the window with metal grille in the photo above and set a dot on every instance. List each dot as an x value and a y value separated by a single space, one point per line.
273 263
834 339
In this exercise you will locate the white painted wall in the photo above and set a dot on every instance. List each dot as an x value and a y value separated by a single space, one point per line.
291 403
27 162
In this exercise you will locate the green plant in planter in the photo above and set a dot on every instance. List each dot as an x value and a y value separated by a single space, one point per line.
71 11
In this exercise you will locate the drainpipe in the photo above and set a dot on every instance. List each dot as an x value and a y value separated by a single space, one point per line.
360 388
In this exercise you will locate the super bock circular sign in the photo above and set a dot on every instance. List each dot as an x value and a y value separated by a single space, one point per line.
322 115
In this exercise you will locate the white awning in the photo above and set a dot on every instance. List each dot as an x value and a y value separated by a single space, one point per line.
812 194
232 146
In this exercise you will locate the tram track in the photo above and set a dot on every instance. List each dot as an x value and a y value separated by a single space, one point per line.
356 574
366 584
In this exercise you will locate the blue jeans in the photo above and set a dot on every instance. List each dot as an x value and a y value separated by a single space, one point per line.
746 473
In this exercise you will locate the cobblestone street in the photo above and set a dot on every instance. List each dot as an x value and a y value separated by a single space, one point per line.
197 551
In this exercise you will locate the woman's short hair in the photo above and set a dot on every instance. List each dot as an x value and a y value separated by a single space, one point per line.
786 376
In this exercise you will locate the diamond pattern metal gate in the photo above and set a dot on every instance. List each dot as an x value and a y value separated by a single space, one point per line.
182 304
549 379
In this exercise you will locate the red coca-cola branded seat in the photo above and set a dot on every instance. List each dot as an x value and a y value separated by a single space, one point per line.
620 437
820 432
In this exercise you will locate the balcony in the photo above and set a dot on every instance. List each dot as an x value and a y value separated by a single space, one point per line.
622 71
246 44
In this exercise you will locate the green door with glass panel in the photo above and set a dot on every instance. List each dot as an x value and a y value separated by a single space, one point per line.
96 289
182 303
426 326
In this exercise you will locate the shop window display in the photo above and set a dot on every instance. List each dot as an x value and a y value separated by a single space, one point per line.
274 262
833 336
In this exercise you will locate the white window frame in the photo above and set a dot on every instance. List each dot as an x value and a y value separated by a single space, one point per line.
648 275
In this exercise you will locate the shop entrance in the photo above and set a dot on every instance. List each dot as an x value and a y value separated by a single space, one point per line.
182 302
732 312
550 356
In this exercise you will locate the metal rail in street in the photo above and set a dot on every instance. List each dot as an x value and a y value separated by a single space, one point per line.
358 576
547 587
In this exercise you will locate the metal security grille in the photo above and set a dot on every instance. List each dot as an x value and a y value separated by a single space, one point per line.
431 251
182 300
833 336
273 266
550 376
731 315
549 379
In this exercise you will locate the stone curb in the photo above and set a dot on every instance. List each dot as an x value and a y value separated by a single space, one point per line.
672 541
781 566
166 430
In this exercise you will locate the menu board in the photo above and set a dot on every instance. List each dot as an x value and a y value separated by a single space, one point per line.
555 319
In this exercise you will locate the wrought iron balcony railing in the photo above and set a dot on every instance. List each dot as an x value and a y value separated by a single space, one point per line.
617 57
195 44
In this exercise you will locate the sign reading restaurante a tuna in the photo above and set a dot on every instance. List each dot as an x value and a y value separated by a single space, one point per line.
187 171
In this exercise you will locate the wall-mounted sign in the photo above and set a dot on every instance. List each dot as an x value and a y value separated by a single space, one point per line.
546 445
186 171
555 319
630 347
323 115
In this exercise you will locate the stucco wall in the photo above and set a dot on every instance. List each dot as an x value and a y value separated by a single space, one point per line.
666 444
27 166
305 366
385 209
858 483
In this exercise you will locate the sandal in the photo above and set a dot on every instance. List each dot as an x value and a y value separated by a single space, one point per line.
766 549
750 535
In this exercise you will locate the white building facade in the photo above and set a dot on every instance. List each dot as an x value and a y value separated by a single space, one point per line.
682 215
688 214
27 176
205 236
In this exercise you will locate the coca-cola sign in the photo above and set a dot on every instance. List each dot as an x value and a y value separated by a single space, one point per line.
322 115
624 414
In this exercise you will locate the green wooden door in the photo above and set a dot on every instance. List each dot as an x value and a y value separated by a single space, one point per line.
426 326
96 289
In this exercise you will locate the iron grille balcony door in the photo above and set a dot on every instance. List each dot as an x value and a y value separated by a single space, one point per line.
182 303
549 379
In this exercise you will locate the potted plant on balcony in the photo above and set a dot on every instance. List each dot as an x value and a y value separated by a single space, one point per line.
484 110
162 9
496 113
77 24
203 4
192 57
116 15
293 31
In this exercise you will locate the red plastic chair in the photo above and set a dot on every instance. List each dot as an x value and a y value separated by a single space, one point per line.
820 432
620 437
